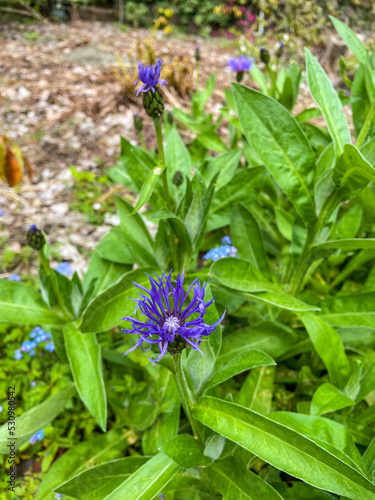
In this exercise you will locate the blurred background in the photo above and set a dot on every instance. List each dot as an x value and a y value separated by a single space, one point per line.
66 80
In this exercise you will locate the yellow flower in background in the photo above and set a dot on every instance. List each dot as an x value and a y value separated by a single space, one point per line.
168 13
160 22
218 9
160 10
237 12
168 29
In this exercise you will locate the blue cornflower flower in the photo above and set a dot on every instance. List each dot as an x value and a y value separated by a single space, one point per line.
15 277
240 64
149 76
50 347
65 268
37 437
167 323
18 354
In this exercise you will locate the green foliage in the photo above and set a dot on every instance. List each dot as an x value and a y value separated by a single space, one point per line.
285 389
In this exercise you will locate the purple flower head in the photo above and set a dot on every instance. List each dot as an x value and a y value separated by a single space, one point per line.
166 322
33 227
149 76
65 268
240 64
33 383
15 277
197 48
50 347
18 354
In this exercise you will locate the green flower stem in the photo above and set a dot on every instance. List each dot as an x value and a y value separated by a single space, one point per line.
142 139
197 75
187 398
47 269
159 137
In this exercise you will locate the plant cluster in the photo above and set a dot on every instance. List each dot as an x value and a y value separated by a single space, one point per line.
258 377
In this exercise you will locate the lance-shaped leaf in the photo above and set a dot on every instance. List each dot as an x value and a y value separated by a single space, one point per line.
351 40
350 309
85 359
148 187
107 309
326 98
353 171
284 448
235 482
79 459
280 143
329 398
243 361
149 480
21 304
36 418
328 345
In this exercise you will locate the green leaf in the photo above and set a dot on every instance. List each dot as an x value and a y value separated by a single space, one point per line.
273 338
362 380
101 274
177 158
212 142
350 309
329 398
114 247
351 40
23 305
283 448
242 187
347 245
149 480
295 490
328 345
36 418
330 435
108 308
225 165
235 482
136 233
81 457
353 171
243 361
98 482
240 275
325 96
84 354
279 141
256 392
248 240
148 187
186 451
281 300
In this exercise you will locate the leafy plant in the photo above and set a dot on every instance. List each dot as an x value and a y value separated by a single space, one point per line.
281 402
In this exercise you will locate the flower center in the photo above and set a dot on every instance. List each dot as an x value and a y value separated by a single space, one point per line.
171 324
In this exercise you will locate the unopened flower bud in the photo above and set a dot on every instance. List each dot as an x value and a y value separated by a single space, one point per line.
264 55
153 103
35 238
197 53
138 122
178 178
